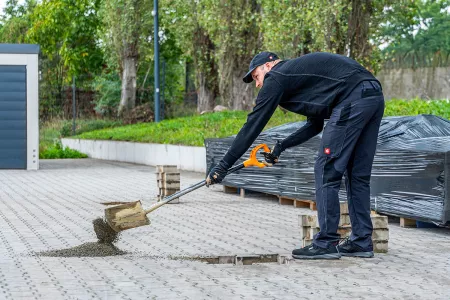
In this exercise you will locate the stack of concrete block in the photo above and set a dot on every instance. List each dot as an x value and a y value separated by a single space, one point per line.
309 227
168 179
380 235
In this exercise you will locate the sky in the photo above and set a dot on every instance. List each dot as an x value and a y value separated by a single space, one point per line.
3 4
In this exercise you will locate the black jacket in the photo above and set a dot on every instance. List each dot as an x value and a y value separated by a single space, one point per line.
310 85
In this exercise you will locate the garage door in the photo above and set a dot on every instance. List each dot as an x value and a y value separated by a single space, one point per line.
13 117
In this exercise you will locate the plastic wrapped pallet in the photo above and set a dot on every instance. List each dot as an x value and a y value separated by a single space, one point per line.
410 175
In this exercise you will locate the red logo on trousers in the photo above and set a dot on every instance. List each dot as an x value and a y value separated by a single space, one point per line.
327 151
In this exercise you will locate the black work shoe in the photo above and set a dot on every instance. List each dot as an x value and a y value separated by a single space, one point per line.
348 248
315 252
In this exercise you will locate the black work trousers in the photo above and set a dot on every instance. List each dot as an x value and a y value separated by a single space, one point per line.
348 147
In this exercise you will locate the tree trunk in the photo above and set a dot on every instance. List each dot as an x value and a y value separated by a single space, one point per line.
357 42
206 70
206 97
128 96
241 92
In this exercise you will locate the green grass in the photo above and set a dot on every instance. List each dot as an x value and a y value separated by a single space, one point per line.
399 107
189 131
193 130
58 151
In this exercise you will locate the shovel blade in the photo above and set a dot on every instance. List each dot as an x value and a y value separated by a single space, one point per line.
126 216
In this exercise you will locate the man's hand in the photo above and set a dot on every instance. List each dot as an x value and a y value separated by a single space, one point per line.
217 174
272 157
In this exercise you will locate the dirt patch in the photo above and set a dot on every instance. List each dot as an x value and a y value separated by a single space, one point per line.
105 234
93 249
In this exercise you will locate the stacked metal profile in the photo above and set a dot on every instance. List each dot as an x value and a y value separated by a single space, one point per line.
168 179
410 175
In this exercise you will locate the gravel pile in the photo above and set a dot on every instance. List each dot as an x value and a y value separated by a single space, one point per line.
104 232
104 247
93 249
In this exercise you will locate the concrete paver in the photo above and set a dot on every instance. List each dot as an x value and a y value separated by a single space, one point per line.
53 209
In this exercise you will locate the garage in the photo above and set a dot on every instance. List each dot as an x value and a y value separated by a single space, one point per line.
19 107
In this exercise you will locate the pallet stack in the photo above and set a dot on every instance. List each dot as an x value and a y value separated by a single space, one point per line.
309 226
168 179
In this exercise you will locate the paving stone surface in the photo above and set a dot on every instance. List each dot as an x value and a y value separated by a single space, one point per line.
53 209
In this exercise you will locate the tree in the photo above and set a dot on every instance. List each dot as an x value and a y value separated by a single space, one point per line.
15 21
68 28
417 34
181 17
233 28
124 32
67 34
297 27
287 27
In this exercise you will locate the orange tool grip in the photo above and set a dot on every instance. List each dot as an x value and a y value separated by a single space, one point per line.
253 161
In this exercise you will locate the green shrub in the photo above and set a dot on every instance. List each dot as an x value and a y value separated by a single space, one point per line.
401 107
108 92
58 151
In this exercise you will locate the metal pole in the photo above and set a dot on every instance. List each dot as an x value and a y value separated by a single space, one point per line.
156 41
74 106
163 90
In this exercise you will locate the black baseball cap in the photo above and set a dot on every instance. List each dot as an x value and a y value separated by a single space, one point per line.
258 60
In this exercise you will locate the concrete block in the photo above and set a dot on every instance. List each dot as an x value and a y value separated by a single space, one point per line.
344 220
168 192
306 242
380 247
345 231
308 221
312 232
304 231
380 234
171 185
171 177
343 208
379 221
167 169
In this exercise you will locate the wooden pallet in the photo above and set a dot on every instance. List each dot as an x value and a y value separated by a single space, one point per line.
408 223
283 200
234 190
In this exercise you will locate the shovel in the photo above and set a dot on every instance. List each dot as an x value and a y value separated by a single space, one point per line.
131 215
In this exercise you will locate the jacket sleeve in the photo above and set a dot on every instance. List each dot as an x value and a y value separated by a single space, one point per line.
266 103
312 127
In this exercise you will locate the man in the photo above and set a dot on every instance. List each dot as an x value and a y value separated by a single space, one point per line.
321 86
